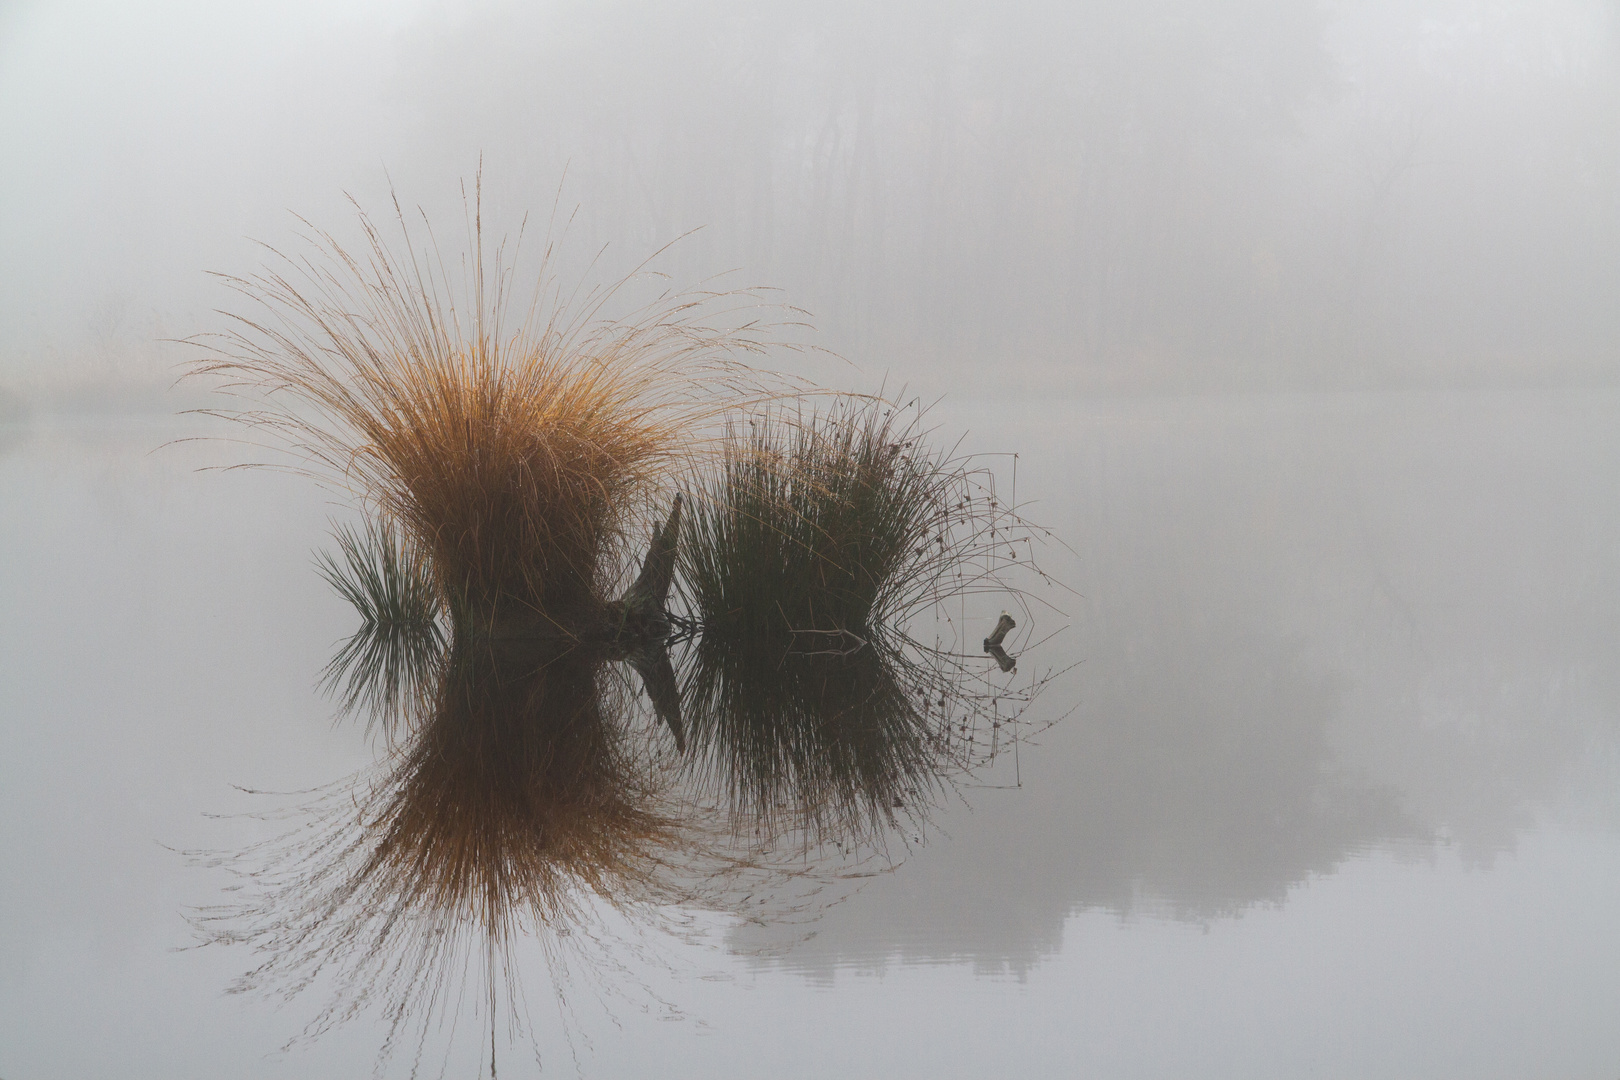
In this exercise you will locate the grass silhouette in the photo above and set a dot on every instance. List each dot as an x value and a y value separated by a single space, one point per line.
513 445
816 526
829 747
521 807
815 543
506 458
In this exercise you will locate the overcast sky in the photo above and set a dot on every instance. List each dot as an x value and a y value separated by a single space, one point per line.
1169 194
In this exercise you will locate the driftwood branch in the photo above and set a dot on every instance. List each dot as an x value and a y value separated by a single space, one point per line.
649 595
992 644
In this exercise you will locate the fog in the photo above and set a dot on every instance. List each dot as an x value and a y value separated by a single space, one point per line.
1166 195
1335 775
1311 626
1297 323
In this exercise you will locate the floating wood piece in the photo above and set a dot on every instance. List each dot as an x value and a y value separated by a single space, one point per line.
992 644
1004 624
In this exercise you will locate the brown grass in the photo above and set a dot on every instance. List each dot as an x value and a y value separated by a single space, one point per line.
517 447
509 442
518 795
520 803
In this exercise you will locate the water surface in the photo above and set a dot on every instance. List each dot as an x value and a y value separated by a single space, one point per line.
1334 790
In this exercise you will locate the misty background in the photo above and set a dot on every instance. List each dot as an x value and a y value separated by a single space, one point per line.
1304 319
1142 195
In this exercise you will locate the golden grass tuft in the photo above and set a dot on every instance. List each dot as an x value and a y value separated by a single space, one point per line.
522 803
523 793
505 450
509 442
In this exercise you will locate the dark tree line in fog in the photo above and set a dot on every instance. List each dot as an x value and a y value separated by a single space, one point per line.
1153 192
1264 187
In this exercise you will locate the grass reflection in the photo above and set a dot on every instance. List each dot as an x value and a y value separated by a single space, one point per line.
827 744
810 550
521 808
503 472
388 666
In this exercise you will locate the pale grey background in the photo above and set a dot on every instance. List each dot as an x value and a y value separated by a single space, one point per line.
1301 317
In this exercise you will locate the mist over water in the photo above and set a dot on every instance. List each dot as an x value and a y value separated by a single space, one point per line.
1303 320
1168 195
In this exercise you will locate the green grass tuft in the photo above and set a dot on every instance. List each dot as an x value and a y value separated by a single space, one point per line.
827 529
389 667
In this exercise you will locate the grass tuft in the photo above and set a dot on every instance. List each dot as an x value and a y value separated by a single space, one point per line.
520 806
512 444
389 667
821 528
812 548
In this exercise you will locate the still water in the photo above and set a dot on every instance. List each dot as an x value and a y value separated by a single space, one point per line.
1334 787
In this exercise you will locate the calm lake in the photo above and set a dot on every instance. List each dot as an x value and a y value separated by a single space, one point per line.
1333 788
